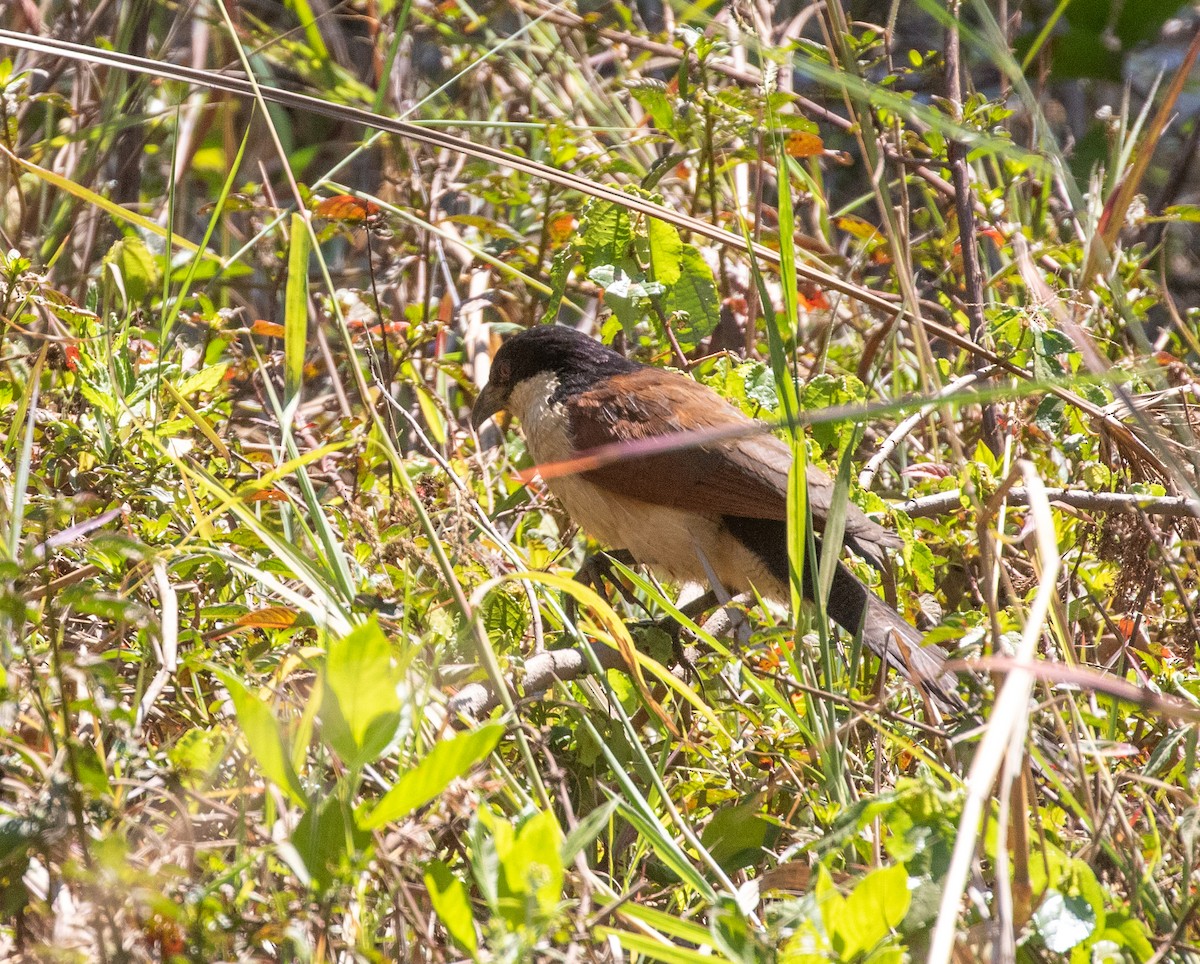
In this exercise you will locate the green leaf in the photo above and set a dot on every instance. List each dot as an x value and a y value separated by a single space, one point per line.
264 738
832 391
870 913
1081 52
452 904
653 949
485 865
207 380
133 269
750 384
758 382
807 945
295 308
666 251
1064 921
504 617
587 830
360 709
1048 341
1049 415
920 561
693 295
97 398
447 761
625 292
560 272
1129 933
1102 951
620 281
1182 212
1141 22
737 835
652 95
434 422
604 234
1047 345
531 860
325 839
732 934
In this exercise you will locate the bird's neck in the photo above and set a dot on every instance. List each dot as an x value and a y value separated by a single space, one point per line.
545 422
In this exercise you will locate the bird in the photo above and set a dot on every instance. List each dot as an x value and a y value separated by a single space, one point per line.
715 510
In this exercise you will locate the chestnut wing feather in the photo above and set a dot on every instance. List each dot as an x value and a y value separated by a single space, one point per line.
714 478
744 476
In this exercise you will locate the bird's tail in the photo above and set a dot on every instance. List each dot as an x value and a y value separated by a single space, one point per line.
890 637
854 607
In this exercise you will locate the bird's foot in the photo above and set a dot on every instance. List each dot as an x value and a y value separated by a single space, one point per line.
596 572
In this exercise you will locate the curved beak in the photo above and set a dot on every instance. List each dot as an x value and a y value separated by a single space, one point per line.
489 402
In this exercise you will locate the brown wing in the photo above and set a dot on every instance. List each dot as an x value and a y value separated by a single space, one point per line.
744 476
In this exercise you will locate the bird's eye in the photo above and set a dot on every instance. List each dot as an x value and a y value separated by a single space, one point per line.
501 370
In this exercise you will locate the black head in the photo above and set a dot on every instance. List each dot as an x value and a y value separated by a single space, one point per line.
577 360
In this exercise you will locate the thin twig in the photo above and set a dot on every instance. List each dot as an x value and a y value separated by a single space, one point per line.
902 431
1163 505
541 672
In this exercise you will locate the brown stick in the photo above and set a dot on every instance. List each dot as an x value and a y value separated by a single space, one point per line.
968 238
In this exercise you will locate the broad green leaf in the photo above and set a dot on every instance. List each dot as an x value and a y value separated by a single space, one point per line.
732 933
807 945
1064 921
694 294
625 293
504 617
666 251
97 398
531 861
653 96
452 904
1141 22
448 760
208 379
326 839
1130 933
736 835
133 269
921 564
831 391
604 234
618 282
360 709
264 738
873 910
1082 52
759 385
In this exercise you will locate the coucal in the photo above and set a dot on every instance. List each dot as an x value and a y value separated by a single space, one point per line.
718 508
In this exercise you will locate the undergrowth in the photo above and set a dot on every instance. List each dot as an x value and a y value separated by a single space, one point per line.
253 559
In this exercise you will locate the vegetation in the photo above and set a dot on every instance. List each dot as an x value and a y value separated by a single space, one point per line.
260 584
